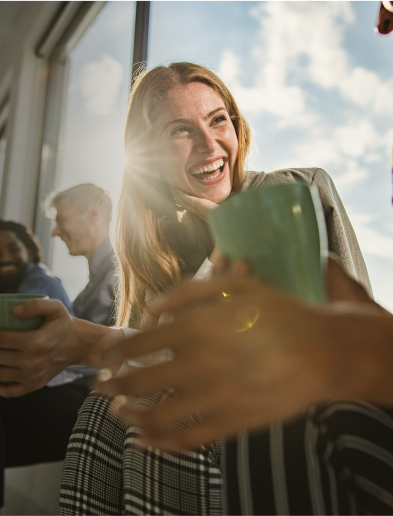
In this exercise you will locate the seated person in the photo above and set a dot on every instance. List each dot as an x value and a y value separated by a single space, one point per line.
36 427
82 215
22 270
195 142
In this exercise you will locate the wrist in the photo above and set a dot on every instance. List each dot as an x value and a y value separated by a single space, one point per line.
91 339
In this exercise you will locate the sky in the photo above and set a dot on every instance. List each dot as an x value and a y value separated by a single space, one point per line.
312 78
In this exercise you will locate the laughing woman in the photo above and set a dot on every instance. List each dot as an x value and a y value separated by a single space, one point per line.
186 145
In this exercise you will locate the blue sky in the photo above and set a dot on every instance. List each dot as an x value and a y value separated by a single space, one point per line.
312 78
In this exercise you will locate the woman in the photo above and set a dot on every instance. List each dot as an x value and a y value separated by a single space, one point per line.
186 144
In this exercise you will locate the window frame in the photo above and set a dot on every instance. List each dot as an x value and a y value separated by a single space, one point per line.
56 46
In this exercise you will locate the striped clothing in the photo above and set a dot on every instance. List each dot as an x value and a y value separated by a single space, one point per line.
338 459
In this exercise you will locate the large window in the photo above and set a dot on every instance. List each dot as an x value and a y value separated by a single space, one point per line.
96 102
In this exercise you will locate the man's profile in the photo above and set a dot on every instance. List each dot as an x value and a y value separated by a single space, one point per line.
82 214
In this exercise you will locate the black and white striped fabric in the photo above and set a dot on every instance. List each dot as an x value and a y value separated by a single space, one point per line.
336 460
105 473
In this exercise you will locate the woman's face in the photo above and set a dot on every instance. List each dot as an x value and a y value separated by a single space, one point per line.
197 142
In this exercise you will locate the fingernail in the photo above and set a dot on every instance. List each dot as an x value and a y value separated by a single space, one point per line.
104 375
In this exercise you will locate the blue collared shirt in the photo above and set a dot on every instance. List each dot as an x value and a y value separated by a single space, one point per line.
38 279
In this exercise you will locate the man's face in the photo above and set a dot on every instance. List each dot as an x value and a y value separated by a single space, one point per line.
14 257
73 227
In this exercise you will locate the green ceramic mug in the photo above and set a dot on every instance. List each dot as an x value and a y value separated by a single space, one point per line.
280 231
9 321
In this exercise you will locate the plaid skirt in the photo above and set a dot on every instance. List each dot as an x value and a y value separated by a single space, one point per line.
105 473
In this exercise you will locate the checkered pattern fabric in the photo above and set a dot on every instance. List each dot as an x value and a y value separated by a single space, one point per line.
104 473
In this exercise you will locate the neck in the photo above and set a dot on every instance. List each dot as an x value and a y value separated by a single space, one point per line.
95 245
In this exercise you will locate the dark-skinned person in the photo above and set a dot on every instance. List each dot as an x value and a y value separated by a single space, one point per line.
34 428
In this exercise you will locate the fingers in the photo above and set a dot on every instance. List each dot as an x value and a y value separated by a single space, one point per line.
145 343
340 286
177 197
35 307
196 205
13 390
140 382
196 292
15 341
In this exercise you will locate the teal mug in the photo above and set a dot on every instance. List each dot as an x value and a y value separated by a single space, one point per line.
280 231
9 321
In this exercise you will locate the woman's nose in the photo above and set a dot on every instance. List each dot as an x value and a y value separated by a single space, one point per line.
205 142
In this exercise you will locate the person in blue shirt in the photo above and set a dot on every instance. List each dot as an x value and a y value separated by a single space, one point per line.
36 427
22 270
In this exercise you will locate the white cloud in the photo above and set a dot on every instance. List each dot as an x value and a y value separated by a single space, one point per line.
342 149
304 39
100 83
370 240
271 95
357 138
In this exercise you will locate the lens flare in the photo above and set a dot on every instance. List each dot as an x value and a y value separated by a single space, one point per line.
245 318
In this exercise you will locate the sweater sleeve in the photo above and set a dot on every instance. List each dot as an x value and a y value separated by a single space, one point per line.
341 235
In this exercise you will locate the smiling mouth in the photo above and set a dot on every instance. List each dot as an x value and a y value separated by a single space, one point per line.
8 269
208 172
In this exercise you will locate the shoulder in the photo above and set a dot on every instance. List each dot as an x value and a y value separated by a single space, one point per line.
309 175
40 280
312 175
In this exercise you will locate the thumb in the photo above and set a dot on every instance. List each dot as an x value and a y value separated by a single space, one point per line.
37 307
340 286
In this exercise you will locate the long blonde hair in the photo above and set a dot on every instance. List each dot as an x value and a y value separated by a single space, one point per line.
147 262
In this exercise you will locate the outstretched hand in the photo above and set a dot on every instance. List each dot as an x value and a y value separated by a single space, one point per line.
244 355
200 207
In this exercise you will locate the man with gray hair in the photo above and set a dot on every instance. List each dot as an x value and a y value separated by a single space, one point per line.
82 215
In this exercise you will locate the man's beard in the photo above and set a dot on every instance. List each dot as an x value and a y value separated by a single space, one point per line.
9 283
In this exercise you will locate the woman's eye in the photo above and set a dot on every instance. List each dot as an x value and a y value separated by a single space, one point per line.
178 130
221 118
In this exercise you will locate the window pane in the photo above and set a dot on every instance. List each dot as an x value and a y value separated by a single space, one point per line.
97 98
316 83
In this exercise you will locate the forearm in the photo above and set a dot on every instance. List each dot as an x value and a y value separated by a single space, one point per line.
91 340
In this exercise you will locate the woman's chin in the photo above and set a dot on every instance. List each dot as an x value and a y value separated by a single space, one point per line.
217 196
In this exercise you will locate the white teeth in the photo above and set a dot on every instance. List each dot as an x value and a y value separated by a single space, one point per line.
208 168
7 268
